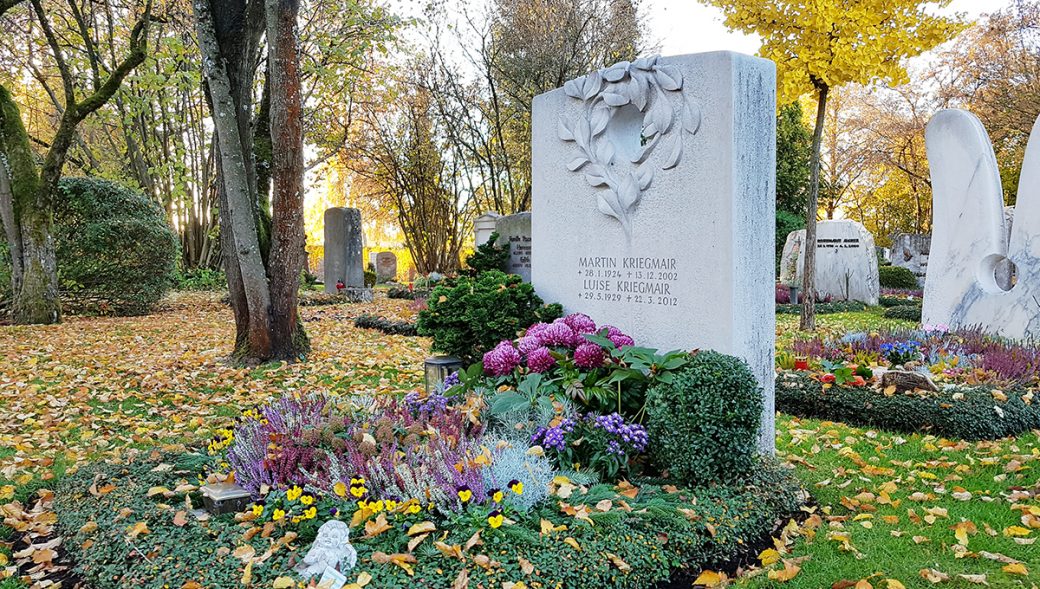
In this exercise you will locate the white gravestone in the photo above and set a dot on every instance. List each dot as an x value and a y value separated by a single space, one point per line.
514 232
483 227
846 261
970 238
654 204
790 274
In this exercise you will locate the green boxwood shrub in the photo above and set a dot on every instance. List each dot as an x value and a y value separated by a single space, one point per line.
888 301
824 308
906 312
488 257
471 315
116 254
969 413
897 277
719 525
704 424
385 325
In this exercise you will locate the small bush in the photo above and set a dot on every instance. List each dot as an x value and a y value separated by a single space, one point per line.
370 278
385 325
704 424
897 277
905 312
824 308
201 279
893 301
116 254
471 315
488 257
969 413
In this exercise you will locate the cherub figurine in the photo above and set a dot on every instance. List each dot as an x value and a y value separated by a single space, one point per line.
331 547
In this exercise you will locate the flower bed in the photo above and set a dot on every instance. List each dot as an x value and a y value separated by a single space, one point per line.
986 384
532 469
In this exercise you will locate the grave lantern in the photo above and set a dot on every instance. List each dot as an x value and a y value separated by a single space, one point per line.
439 368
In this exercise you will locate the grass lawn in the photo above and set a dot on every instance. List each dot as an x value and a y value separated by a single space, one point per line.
889 506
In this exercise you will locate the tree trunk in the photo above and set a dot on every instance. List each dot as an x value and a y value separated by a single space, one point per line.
27 224
287 233
808 322
243 263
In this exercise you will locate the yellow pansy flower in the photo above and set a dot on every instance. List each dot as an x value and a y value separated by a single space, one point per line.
495 519
278 515
307 500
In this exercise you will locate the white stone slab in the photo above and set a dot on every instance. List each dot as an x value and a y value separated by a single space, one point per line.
483 227
970 237
846 261
676 249
911 251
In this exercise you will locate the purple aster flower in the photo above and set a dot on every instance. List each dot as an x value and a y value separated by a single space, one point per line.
528 344
502 360
588 355
540 360
580 323
452 380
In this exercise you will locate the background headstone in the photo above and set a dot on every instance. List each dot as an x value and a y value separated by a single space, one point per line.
386 266
678 249
514 232
343 249
791 258
483 227
911 251
846 261
969 283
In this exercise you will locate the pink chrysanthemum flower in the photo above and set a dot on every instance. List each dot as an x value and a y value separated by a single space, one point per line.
588 356
540 360
580 323
502 360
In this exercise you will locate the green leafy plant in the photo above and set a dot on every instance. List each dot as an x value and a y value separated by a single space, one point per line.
704 422
897 277
473 314
387 326
201 279
904 312
116 254
488 257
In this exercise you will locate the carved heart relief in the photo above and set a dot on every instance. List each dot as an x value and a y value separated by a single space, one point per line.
629 110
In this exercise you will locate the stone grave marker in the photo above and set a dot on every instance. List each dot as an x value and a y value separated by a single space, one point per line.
514 232
981 272
386 267
654 204
343 249
846 261
911 251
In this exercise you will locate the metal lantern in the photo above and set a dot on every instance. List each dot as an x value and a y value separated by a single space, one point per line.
439 368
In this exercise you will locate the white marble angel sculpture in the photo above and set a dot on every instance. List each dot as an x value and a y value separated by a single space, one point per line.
331 548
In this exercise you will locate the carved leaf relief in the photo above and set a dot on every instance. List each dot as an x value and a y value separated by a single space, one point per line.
655 90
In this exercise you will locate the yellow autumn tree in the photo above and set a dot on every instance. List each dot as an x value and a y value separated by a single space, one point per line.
823 44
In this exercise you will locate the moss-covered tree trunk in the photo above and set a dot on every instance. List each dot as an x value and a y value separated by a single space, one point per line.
28 223
28 202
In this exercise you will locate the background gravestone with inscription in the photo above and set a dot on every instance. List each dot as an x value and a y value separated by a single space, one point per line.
654 204
514 232
344 257
846 261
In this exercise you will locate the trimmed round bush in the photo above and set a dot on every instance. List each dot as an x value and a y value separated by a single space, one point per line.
905 312
704 423
470 316
116 254
897 277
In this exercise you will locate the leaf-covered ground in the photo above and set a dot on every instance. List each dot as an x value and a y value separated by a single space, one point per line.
894 511
95 386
